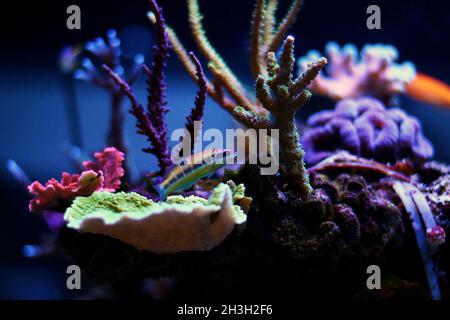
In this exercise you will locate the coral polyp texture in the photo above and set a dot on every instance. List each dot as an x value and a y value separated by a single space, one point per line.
365 127
176 225
105 174
349 74
283 96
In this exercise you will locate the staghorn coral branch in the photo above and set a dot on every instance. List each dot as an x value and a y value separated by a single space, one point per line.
189 66
200 101
251 119
272 64
225 82
306 77
276 93
287 61
256 63
285 25
181 52
300 100
143 124
237 95
231 83
218 88
270 21
263 93
205 46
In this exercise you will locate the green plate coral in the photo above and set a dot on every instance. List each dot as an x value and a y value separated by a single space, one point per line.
179 224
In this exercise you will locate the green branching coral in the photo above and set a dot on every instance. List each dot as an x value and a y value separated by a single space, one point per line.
283 96
276 92
266 35
179 224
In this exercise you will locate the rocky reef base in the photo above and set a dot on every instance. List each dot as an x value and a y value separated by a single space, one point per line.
317 248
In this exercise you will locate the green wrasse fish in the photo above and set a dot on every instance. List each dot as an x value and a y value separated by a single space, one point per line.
200 165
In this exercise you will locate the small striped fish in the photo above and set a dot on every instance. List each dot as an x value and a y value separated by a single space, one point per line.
183 176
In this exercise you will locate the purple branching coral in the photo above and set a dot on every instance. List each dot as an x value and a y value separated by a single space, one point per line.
283 96
143 122
365 128
373 74
151 122
156 88
200 101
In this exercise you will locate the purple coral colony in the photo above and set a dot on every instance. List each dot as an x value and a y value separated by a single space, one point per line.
357 185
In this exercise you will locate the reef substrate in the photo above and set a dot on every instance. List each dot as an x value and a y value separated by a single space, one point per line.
318 249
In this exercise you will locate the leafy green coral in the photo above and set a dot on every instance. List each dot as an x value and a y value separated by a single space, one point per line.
178 224
108 204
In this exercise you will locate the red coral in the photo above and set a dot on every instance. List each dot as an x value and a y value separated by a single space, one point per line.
110 164
105 174
70 187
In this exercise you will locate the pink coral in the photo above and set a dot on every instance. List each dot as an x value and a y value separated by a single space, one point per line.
110 164
373 72
103 175
70 186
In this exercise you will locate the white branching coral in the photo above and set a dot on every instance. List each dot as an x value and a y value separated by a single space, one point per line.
373 73
179 224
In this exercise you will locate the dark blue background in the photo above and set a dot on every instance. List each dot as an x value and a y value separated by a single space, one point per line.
34 121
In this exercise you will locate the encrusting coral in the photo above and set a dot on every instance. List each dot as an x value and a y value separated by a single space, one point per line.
374 73
198 224
211 221
103 175
364 127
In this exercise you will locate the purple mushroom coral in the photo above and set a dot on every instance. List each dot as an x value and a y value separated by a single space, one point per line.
364 127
